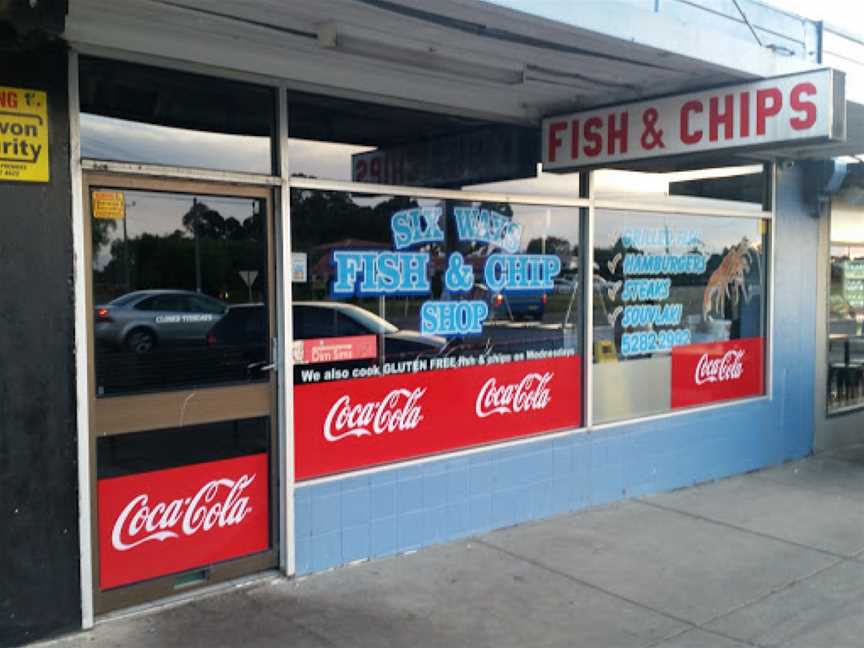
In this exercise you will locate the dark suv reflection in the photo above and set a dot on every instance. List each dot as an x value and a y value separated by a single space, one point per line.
314 320
244 326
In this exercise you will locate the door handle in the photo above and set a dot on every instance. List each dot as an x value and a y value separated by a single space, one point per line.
260 366
271 366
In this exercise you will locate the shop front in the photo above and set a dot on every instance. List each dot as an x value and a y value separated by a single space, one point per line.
317 323
322 329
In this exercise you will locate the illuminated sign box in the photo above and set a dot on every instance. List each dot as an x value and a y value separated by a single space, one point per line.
791 111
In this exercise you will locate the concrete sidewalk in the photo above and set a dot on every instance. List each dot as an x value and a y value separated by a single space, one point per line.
774 558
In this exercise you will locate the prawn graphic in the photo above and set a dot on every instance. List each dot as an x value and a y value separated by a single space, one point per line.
727 280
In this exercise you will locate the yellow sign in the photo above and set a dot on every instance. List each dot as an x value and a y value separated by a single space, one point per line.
109 205
604 351
23 135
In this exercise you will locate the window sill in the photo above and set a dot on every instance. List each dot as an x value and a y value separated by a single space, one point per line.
845 409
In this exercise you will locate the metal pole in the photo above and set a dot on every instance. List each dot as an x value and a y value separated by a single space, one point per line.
126 278
197 245
747 22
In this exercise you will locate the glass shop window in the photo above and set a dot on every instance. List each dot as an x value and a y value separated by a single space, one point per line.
846 303
679 311
429 325
138 113
344 140
736 187
180 291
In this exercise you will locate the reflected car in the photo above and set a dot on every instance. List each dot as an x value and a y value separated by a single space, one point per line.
141 320
239 341
320 319
512 306
566 285
244 326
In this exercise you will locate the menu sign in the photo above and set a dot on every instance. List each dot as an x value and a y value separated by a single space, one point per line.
853 283
670 295
651 323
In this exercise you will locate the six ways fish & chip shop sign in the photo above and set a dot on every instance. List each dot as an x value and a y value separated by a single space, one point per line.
342 425
790 111
23 135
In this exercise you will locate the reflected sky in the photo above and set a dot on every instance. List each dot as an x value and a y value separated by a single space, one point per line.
108 138
714 232
161 214
322 159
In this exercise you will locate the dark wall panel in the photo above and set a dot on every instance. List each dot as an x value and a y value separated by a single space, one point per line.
39 577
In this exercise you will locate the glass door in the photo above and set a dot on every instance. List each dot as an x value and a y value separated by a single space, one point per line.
182 406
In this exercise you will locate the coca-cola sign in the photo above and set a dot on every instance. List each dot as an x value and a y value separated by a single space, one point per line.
705 373
530 393
142 521
348 424
166 521
399 410
727 367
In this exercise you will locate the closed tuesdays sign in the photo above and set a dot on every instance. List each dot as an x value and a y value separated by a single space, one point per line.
23 135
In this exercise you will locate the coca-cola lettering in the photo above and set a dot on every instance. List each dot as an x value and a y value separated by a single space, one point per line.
717 371
727 367
171 520
530 393
399 410
430 412
186 516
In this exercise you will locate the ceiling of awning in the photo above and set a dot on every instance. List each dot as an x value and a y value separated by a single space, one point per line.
492 59
462 57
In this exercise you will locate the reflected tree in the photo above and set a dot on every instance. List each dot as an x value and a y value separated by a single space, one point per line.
205 254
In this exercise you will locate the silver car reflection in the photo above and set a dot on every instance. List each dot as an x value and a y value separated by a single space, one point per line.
141 320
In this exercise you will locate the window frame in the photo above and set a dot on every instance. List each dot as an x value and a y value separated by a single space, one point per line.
586 200
840 410
280 182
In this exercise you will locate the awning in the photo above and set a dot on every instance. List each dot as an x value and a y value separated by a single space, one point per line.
457 56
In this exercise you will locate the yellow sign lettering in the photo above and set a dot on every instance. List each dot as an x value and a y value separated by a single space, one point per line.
108 205
23 135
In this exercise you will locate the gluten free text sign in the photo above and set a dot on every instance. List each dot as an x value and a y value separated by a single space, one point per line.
23 135
350 424
783 111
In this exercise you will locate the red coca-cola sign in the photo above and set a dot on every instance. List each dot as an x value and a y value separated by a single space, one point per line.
349 424
168 521
530 393
705 373
399 410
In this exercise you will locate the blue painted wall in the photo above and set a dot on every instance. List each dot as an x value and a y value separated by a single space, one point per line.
405 508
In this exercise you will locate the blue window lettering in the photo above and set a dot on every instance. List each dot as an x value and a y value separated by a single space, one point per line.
417 225
520 272
374 273
453 318
487 226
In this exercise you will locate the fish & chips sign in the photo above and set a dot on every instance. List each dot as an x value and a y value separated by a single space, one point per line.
789 111
404 272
